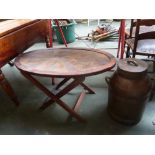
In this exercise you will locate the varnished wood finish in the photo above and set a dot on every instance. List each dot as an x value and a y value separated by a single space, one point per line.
77 104
15 37
66 90
65 62
61 93
18 39
129 91
75 63
9 26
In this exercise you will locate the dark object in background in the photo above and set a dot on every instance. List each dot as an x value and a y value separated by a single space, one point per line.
129 90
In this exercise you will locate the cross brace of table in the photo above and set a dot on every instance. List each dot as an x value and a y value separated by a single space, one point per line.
56 97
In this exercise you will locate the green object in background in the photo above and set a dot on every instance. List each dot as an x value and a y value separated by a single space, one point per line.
68 31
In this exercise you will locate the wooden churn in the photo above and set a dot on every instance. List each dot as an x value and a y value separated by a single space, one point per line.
129 90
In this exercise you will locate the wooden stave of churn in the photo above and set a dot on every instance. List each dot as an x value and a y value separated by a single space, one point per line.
129 90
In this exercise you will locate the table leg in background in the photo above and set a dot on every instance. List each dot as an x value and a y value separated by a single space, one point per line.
8 89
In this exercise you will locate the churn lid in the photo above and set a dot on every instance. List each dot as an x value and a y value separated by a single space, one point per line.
132 65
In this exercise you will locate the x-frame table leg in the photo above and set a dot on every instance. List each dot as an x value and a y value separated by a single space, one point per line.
77 104
63 92
56 98
90 90
66 90
62 83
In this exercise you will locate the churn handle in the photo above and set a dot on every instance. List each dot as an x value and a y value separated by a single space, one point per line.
132 62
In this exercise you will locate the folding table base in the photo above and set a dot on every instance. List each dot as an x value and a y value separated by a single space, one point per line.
56 97
66 90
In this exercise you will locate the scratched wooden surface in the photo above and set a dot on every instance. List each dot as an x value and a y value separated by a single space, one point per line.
18 35
12 25
65 62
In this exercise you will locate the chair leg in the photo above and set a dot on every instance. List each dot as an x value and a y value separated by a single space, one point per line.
128 52
153 66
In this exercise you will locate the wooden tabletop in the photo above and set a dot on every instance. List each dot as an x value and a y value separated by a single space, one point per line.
65 62
9 26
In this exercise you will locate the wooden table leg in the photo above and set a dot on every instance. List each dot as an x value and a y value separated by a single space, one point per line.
62 83
8 89
53 97
49 42
66 90
77 104
63 92
90 90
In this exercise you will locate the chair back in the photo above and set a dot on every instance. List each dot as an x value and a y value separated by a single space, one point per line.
144 30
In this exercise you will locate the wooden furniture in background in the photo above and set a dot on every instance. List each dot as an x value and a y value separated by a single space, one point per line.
141 38
15 37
